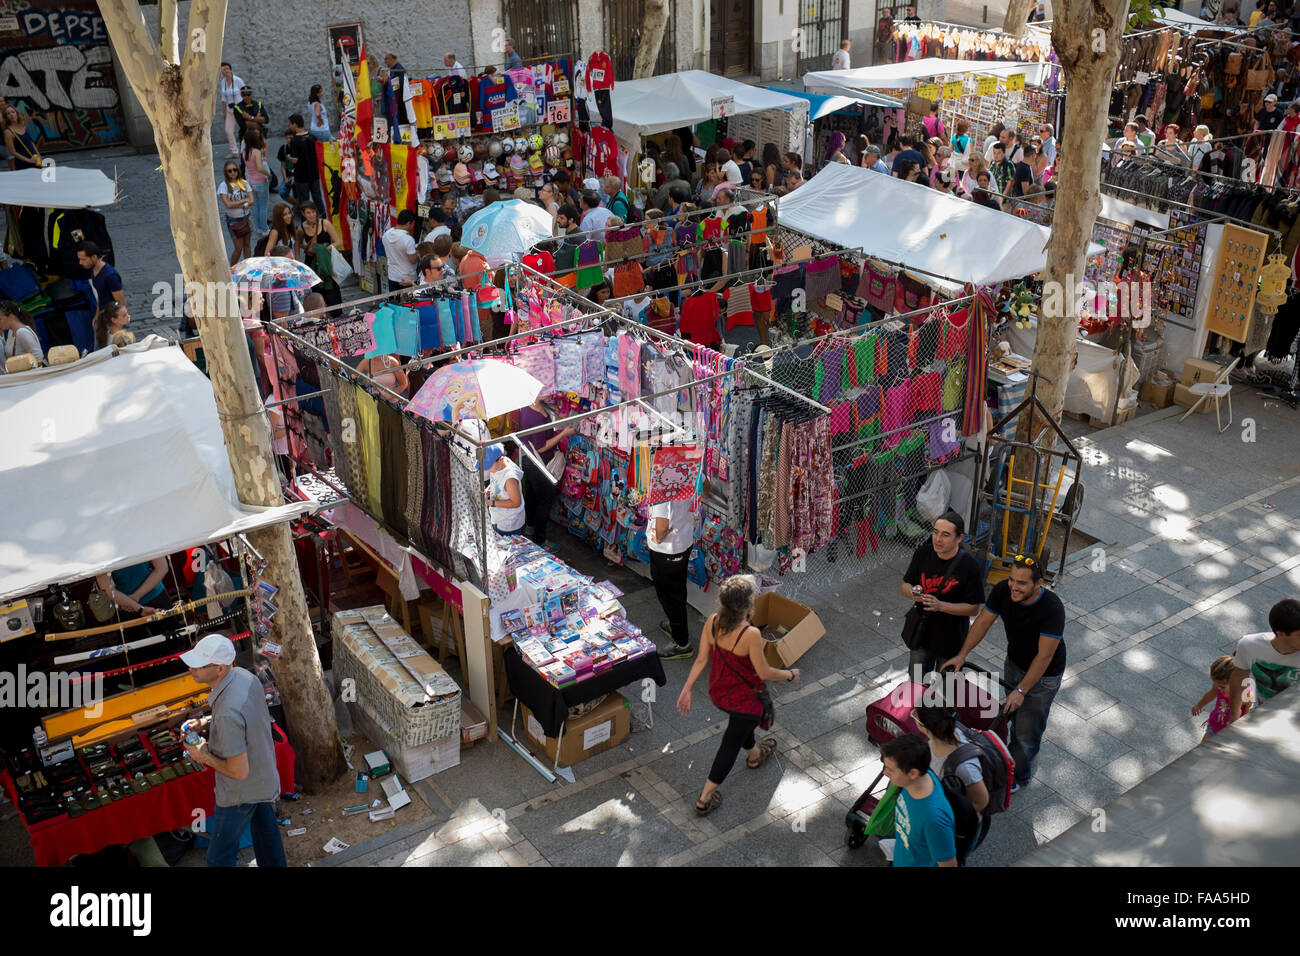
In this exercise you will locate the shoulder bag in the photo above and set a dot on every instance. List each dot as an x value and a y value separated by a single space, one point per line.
764 697
915 620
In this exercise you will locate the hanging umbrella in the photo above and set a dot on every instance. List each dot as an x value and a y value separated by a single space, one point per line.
479 388
506 229
264 273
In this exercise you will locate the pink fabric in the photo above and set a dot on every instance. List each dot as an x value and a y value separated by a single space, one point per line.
629 366
898 410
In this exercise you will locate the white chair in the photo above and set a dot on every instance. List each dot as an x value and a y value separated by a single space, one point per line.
1218 391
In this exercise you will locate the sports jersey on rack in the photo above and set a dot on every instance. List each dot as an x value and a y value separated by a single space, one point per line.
602 152
600 72
451 95
495 91
522 78
422 103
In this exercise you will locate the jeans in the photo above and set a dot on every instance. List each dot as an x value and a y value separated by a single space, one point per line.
304 191
668 572
539 498
322 135
1030 720
739 734
261 207
228 826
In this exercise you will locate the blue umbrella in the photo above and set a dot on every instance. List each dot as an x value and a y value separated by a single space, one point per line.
506 229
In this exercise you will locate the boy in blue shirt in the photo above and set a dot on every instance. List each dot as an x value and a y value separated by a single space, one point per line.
923 821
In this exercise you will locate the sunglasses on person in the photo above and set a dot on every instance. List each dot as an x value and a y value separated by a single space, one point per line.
1024 561
232 171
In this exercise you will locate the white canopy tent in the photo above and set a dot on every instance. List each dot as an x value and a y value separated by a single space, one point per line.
660 103
111 461
903 76
1178 18
911 224
57 187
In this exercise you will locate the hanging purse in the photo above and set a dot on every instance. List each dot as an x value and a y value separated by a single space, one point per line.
100 604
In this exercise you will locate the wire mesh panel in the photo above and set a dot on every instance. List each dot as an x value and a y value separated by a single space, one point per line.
894 395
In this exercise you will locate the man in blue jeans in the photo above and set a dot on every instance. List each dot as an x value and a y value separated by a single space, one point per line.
1034 618
240 749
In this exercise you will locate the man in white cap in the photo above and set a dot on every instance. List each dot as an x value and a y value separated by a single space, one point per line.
239 748
1270 117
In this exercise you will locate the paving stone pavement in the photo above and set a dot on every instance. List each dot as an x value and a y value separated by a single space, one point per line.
1198 535
1203 538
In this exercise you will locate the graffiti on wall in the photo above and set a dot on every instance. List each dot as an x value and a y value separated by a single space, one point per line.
56 66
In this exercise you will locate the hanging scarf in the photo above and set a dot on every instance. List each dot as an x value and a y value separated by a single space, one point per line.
982 314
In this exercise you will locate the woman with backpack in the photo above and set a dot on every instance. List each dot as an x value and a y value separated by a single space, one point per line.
939 726
731 649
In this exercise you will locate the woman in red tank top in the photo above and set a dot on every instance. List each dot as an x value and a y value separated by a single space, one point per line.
732 650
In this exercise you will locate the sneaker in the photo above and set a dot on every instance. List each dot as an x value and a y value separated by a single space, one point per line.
666 628
1017 786
675 652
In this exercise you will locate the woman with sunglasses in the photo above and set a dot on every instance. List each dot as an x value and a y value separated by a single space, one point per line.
22 150
237 196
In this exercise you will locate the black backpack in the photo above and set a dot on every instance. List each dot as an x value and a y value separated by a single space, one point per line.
966 822
996 767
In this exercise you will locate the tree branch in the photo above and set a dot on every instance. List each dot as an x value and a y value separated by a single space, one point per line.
202 60
168 23
135 49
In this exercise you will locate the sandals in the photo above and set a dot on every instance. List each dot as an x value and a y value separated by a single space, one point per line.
715 801
765 750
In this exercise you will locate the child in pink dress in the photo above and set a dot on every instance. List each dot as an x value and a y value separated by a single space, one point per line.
1220 673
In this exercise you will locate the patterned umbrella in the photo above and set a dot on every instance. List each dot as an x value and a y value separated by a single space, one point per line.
263 273
479 388
505 229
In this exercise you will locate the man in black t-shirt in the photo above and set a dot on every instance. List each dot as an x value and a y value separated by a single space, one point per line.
1034 619
947 583
1270 117
306 171
1024 173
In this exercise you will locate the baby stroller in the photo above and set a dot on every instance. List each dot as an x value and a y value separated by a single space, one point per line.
891 716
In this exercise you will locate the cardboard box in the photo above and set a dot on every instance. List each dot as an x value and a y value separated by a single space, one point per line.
604 728
1199 370
1125 414
1161 396
411 763
802 628
1183 396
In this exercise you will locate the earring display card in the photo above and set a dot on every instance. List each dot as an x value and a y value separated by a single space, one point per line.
1236 280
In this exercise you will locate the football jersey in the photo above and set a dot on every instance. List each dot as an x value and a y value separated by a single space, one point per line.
495 91
602 152
452 95
422 103
600 72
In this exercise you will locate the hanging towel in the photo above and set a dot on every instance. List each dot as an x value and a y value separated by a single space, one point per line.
406 330
382 329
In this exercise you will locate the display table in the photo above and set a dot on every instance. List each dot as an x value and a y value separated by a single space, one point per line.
550 704
170 806
1091 387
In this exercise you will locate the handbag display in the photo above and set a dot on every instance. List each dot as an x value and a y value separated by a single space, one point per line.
240 227
100 604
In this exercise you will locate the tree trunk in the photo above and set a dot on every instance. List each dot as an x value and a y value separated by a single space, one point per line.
179 99
652 38
1086 37
1018 15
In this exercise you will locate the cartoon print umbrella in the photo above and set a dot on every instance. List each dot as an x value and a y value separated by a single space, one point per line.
263 273
478 388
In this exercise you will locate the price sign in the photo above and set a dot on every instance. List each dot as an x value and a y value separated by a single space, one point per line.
928 91
986 85
1015 82
952 90
558 112
506 118
444 128
379 131
560 85
720 107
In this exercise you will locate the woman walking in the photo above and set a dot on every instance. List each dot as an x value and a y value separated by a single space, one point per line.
259 176
22 150
732 650
317 117
237 197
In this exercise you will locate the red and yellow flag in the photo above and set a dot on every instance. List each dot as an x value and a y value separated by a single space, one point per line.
329 160
403 175
365 104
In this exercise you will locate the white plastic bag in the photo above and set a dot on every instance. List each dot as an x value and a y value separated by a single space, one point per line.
932 501
216 581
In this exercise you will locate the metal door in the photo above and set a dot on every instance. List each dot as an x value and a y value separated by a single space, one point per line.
544 28
821 25
623 27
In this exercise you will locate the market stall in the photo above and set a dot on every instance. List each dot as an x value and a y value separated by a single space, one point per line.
866 114
102 768
48 213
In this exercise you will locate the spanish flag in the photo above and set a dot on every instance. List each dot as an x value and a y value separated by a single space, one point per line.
365 105
403 175
329 160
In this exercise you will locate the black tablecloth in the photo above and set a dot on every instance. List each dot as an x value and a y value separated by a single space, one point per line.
550 704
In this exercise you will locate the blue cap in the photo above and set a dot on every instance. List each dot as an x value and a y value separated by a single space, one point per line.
491 455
